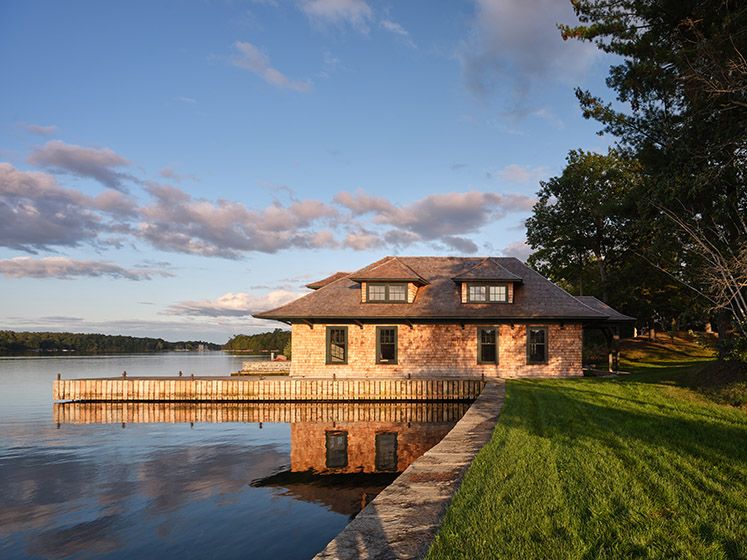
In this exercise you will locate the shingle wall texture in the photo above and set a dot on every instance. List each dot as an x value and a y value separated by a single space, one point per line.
436 350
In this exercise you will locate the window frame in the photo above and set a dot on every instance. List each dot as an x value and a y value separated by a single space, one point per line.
387 298
379 438
379 329
545 328
480 343
487 286
328 346
328 451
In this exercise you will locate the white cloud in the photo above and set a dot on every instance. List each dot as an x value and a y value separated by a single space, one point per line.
66 268
252 59
41 130
516 173
356 13
238 304
515 44
518 249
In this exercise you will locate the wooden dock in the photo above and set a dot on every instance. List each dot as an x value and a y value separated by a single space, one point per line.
237 389
254 412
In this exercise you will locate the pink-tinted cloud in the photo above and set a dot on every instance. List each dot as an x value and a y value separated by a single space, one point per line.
66 268
238 304
102 164
177 222
36 213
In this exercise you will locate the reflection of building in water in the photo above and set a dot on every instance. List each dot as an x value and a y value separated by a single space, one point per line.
342 454
345 464
361 447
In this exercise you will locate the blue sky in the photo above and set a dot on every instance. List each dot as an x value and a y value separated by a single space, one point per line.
167 168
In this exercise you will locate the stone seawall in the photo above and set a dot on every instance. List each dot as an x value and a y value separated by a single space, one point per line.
227 389
264 368
402 521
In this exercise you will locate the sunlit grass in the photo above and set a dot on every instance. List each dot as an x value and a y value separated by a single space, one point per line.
639 466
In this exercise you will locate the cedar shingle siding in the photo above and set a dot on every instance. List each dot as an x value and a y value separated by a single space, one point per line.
437 330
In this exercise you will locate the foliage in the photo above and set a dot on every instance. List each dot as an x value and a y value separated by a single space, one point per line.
580 218
12 343
586 236
274 341
682 84
287 349
639 466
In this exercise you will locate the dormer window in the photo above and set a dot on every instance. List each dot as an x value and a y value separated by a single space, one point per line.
386 292
487 293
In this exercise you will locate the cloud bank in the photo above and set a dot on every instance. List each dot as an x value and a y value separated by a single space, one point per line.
66 268
238 304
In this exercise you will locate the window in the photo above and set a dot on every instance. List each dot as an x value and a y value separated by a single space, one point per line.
337 345
386 451
386 292
337 449
498 293
536 345
386 345
477 293
487 345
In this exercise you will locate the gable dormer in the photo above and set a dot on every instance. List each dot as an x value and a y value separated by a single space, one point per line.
487 282
388 281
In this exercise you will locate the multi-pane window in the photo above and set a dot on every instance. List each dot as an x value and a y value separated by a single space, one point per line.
487 293
536 345
487 345
478 293
377 292
336 442
498 293
386 345
386 451
396 292
337 345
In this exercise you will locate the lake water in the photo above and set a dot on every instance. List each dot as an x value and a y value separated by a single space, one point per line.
189 480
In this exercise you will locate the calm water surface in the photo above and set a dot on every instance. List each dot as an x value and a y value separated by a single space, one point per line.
189 481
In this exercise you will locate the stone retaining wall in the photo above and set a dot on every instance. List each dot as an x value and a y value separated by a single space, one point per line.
402 521
265 367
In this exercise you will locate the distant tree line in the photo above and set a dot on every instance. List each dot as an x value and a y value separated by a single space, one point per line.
274 341
16 343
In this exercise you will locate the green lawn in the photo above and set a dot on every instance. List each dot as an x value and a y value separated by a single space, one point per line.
640 466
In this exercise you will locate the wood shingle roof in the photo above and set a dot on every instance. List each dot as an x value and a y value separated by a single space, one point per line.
536 298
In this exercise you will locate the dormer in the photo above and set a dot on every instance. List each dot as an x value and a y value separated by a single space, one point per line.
388 281
487 282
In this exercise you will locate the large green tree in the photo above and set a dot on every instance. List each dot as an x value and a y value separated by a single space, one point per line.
580 220
681 112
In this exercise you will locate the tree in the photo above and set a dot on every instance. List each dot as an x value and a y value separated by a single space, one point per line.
580 219
683 86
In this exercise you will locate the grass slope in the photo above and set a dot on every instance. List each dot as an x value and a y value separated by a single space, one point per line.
638 466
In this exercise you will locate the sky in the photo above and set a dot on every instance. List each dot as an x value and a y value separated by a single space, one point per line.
168 168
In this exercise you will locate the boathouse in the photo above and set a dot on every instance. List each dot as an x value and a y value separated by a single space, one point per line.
439 317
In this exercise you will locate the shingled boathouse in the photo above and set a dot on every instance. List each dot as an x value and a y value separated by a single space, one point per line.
440 317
